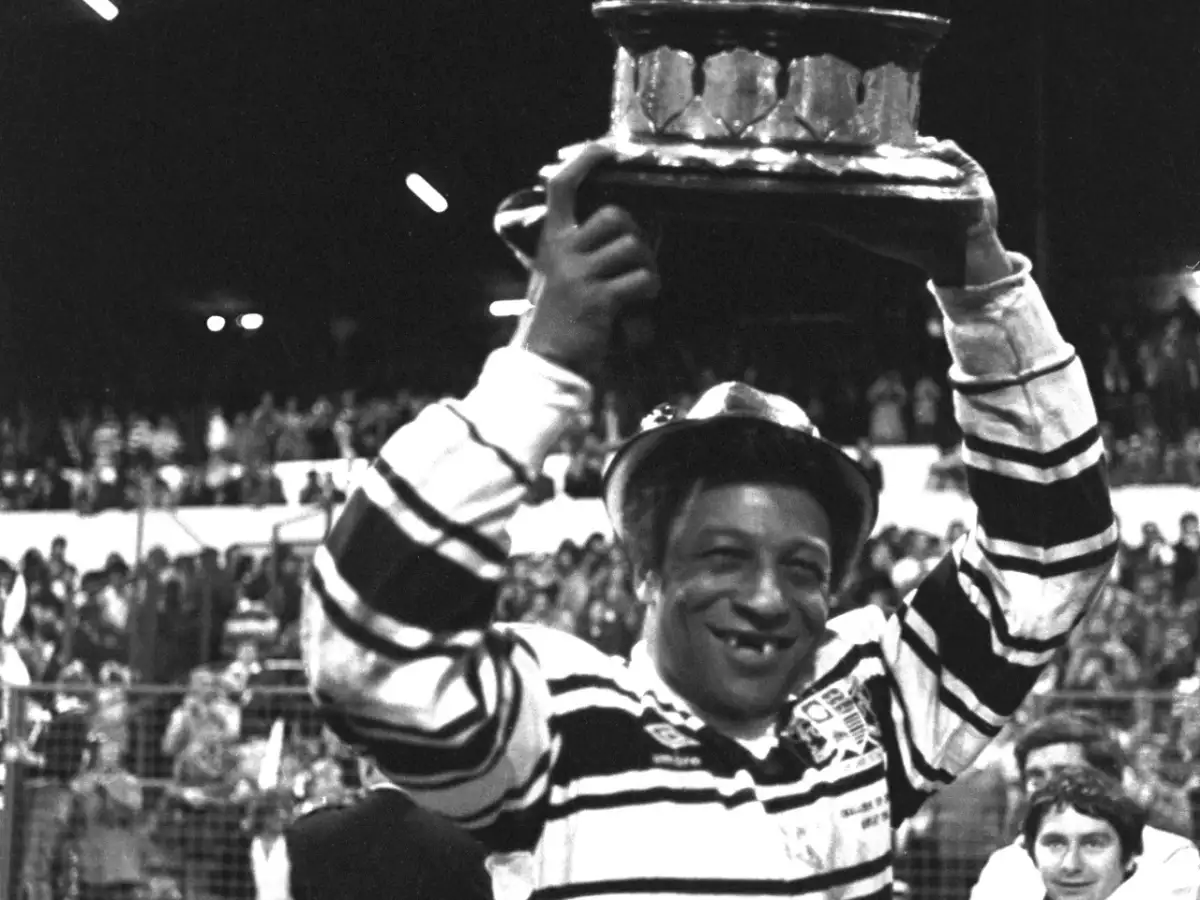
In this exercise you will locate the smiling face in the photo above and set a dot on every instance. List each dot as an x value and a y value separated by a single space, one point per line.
742 598
1078 856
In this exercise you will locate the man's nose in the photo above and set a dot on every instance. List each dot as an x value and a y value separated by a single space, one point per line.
765 602
1071 859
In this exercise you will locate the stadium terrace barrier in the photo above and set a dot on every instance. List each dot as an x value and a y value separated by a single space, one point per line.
540 529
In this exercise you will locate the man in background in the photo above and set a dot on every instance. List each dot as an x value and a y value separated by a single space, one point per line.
1169 866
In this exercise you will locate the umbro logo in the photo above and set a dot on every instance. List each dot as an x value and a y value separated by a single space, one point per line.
670 737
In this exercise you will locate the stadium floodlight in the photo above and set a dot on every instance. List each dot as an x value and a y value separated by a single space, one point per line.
501 308
215 323
103 8
426 193
250 321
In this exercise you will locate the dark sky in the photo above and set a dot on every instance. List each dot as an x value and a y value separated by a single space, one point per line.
257 149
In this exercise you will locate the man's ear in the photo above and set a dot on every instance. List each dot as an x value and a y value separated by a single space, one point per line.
647 588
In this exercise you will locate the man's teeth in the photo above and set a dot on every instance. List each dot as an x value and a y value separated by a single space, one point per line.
765 648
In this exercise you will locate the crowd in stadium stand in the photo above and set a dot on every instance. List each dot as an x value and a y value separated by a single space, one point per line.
1147 385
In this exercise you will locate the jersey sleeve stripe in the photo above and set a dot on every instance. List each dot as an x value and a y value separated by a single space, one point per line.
1039 459
1042 515
976 388
519 472
407 494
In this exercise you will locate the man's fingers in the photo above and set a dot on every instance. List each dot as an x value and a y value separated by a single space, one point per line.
640 284
604 226
624 254
564 184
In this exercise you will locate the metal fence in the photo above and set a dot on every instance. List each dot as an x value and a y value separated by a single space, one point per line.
171 812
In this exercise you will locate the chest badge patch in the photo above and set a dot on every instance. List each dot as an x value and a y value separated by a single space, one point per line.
837 724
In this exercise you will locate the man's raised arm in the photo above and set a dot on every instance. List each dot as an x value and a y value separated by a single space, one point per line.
966 647
398 649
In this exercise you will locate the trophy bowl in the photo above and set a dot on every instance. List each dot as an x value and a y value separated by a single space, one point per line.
768 108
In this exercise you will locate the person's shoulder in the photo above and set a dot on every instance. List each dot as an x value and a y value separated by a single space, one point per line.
1159 845
1013 852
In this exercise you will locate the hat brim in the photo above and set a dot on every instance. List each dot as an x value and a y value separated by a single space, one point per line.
839 483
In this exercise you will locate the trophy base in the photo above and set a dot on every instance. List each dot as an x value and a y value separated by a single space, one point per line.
686 181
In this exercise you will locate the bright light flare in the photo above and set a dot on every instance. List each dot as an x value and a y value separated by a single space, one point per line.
103 8
215 323
426 193
502 308
250 321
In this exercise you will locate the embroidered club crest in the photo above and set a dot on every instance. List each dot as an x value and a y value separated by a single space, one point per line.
835 724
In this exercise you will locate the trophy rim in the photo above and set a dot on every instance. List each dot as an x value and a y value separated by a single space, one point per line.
880 166
783 8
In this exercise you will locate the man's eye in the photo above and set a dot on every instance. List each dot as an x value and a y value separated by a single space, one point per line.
804 570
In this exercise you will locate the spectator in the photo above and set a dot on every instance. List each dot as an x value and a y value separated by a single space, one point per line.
115 857
292 442
218 439
331 494
165 443
312 492
268 849
1085 836
887 397
926 410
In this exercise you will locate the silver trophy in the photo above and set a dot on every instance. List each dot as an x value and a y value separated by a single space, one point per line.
734 107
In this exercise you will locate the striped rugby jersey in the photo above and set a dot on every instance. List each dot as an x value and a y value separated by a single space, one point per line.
585 774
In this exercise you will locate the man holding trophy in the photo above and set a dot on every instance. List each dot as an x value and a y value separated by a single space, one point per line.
752 746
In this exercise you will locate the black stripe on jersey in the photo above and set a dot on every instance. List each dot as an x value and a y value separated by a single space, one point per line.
973 388
945 696
1042 515
924 767
368 639
871 775
965 642
1094 560
516 829
646 796
435 518
396 575
999 623
904 799
520 473
725 887
845 666
1047 459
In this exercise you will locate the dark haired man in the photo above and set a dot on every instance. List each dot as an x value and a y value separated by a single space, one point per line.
751 746
1084 835
1064 740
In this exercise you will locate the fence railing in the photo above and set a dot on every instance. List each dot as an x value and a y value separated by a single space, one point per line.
177 802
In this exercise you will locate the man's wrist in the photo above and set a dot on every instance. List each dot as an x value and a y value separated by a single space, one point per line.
986 260
980 260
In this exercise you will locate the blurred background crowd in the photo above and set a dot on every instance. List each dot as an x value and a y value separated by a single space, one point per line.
1147 384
